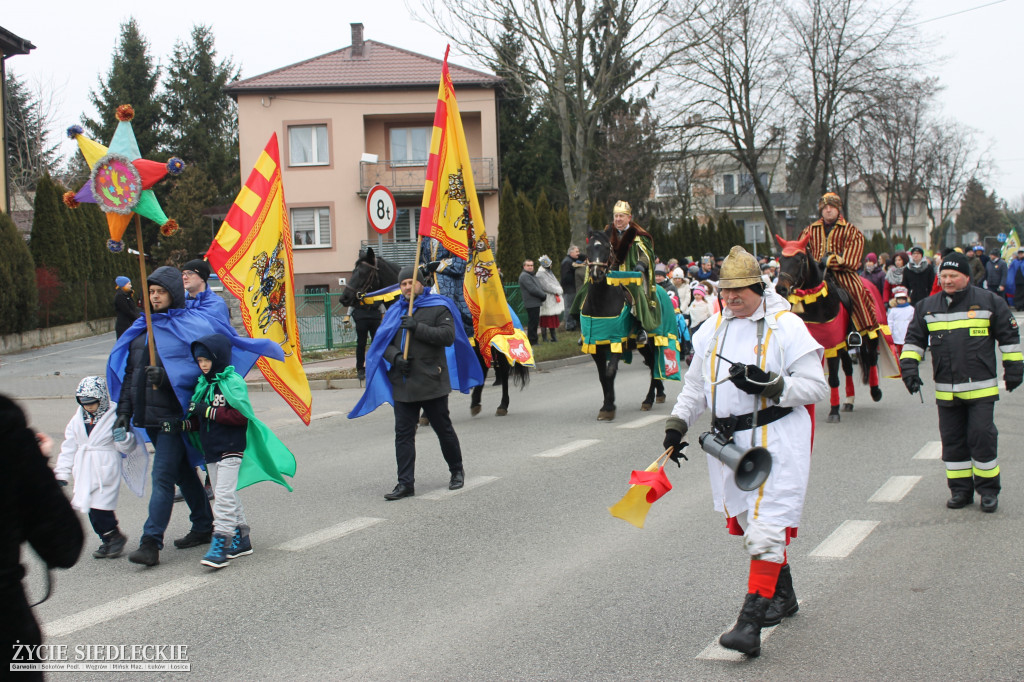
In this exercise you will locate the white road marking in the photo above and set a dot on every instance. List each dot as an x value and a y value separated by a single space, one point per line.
124 605
325 415
642 422
444 493
328 534
844 539
894 489
930 450
568 447
717 652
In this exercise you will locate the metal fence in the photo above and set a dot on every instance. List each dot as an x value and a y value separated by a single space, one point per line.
320 319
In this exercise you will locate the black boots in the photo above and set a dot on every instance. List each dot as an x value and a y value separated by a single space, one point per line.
784 602
148 554
745 636
960 499
112 546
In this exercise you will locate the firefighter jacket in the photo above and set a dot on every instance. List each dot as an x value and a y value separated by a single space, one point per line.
962 332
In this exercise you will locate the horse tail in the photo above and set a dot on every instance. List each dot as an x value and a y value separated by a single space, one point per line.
520 375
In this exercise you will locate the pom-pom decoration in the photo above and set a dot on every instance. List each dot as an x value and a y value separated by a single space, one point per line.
115 245
169 228
69 200
175 166
121 181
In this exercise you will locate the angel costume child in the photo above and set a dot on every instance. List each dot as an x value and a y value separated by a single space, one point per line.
95 458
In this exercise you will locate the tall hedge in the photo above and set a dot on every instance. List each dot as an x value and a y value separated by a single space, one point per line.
18 299
511 251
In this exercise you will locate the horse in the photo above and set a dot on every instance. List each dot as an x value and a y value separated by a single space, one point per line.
372 273
607 302
816 300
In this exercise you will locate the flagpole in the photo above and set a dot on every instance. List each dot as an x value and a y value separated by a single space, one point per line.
412 291
145 290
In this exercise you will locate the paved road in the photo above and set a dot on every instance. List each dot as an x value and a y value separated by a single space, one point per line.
524 575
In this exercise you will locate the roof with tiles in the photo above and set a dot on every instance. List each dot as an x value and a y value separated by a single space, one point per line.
380 66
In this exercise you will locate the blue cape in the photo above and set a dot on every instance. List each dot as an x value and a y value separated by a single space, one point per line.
463 367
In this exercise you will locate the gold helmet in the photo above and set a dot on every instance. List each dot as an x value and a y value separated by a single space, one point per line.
739 269
622 207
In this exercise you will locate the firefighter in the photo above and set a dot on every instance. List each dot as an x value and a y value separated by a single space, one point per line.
962 325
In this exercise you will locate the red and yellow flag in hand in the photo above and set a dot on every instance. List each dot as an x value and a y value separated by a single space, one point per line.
451 214
647 487
252 255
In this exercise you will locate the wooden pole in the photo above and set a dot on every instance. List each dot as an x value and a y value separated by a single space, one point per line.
412 294
145 290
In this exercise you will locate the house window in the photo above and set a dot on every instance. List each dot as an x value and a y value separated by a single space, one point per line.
307 145
410 146
670 185
311 227
406 223
869 210
729 184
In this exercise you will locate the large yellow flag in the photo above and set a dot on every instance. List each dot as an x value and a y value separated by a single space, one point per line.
451 214
252 254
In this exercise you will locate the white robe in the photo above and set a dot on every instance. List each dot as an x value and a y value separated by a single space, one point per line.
549 283
97 464
793 353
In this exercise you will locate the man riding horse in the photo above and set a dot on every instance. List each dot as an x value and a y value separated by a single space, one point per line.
839 247
633 250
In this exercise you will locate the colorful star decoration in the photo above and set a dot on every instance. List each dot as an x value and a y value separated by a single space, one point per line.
121 181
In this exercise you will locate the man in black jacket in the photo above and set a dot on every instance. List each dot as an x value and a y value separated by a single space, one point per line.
124 306
148 400
533 297
570 264
919 275
420 382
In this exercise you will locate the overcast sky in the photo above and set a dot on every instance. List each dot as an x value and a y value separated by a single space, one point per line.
74 43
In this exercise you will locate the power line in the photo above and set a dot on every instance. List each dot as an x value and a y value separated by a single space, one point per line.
963 11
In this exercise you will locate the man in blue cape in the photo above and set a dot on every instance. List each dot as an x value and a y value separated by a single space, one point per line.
422 380
155 398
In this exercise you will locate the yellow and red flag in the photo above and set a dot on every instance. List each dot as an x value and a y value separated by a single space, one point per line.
451 214
252 255
647 487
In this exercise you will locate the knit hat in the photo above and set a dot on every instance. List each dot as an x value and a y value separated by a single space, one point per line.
406 273
900 292
699 289
679 274
200 267
201 351
956 261
122 281
661 267
918 249
871 257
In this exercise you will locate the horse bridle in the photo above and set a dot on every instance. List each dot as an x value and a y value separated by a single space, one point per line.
787 278
367 286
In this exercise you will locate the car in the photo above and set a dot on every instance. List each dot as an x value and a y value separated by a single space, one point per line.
214 283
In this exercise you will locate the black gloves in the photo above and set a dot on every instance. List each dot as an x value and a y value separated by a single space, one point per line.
768 384
910 376
675 429
198 408
122 422
402 365
431 266
155 375
1013 375
409 323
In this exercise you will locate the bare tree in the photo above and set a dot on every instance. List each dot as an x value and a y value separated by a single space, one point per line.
581 55
954 161
27 121
841 50
734 84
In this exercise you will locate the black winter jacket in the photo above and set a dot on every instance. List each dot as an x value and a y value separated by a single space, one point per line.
428 378
126 310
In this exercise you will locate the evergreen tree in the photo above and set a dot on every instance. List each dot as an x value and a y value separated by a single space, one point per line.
546 228
511 253
18 298
532 238
191 194
979 212
48 243
132 79
201 119
596 218
564 230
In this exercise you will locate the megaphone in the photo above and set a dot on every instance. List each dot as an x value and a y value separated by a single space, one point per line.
750 469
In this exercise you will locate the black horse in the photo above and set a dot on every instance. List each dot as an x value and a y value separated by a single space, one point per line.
804 282
604 300
372 272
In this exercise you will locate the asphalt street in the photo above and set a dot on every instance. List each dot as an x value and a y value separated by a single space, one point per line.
524 575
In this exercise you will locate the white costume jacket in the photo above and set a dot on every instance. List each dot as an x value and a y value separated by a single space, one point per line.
791 352
549 283
97 463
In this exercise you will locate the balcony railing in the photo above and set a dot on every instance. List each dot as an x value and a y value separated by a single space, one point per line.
401 177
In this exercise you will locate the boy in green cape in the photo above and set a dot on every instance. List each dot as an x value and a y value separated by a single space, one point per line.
239 449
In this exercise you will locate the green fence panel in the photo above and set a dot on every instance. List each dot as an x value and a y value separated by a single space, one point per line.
515 299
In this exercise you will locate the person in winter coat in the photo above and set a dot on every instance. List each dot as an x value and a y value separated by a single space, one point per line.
1015 280
755 357
533 298
873 273
93 453
125 309
572 264
699 309
976 256
899 314
894 275
919 275
195 275
552 307
682 285
35 511
995 274
961 327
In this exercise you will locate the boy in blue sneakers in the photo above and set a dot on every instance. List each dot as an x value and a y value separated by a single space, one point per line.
238 448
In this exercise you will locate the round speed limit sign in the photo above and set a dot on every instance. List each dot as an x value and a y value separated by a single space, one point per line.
380 209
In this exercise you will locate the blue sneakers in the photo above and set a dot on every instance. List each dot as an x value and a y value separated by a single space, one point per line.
216 556
240 545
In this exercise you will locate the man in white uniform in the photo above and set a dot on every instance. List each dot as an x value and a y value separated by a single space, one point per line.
755 355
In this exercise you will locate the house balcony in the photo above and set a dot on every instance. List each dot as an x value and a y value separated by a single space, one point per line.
407 179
